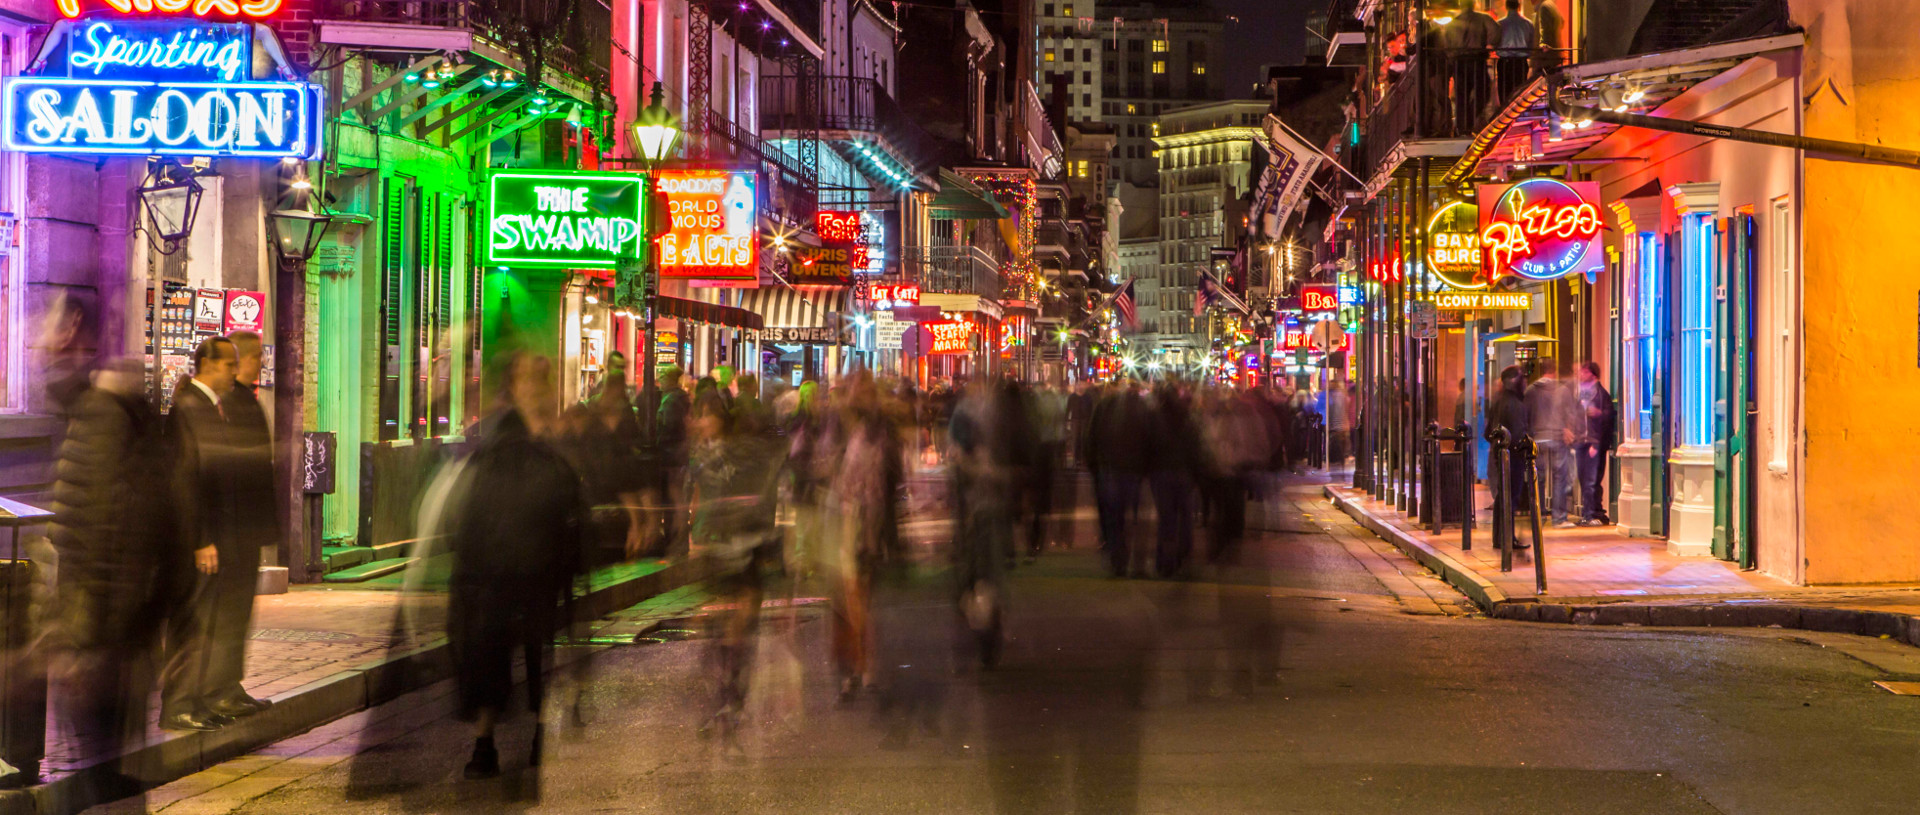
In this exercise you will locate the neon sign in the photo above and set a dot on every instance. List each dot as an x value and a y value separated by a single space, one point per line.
200 8
1319 298
837 227
158 88
138 49
575 220
1453 246
712 229
258 119
895 293
949 336
1539 229
1483 301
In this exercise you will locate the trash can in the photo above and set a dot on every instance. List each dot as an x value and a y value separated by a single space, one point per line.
1450 491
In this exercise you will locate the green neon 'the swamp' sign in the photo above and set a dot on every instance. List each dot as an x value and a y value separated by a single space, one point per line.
575 220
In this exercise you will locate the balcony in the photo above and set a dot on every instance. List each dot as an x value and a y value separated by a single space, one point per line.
953 270
847 110
474 25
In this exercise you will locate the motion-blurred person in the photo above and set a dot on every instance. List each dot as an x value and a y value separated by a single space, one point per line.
1339 421
732 476
1046 412
1508 409
1593 445
856 478
1554 412
985 458
122 571
1117 452
1173 469
206 640
670 446
516 543
1235 439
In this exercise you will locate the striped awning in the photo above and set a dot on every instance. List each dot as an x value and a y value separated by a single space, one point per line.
799 306
711 313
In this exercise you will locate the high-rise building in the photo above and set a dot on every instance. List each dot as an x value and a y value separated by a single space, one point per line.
1126 62
1207 155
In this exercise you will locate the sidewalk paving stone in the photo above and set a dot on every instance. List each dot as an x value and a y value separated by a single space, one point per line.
1596 576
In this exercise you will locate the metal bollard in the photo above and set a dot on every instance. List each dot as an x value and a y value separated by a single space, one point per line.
1498 452
1430 478
1539 541
1465 433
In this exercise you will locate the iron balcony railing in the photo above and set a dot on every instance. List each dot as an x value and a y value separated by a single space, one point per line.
586 26
1447 93
953 270
847 103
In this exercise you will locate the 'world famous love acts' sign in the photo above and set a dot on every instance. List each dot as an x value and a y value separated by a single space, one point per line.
158 87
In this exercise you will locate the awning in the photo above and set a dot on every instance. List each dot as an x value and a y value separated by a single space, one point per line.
1656 79
800 305
710 313
962 200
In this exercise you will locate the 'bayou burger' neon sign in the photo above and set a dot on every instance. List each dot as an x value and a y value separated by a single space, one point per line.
1540 228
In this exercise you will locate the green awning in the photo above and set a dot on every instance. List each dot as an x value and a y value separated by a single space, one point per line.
960 200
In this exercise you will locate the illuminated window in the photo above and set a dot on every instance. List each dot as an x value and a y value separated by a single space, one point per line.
1132 109
1159 46
1643 320
1155 127
1784 287
1159 66
1049 55
1199 68
1066 11
1698 369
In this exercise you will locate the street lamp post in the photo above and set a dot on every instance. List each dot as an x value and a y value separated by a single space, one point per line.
297 233
656 133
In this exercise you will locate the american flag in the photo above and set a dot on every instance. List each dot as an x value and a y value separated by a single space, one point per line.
1203 296
1123 302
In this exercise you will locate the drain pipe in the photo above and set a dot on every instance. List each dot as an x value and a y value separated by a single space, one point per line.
1826 148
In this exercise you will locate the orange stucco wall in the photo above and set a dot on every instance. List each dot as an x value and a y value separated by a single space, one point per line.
1862 296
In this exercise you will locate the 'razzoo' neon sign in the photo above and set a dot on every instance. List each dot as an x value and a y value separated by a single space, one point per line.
1539 229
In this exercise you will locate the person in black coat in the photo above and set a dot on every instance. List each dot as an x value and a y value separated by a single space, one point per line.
1508 409
516 542
1595 441
122 570
205 644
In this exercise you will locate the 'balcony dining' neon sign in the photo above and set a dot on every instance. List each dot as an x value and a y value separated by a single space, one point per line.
1539 229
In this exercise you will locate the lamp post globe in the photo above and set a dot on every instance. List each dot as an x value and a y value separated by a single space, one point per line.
657 130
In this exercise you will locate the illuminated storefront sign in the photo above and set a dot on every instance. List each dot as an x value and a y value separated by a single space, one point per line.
1540 228
575 220
808 334
815 264
1483 301
158 88
1319 298
711 231
949 336
1303 341
837 227
1385 270
893 294
1453 246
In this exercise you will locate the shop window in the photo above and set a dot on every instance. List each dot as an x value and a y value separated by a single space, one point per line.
1697 367
1781 296
1641 323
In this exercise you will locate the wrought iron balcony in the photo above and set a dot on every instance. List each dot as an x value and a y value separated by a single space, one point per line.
848 104
585 27
953 270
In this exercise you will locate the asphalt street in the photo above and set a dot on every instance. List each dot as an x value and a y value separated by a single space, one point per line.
1299 681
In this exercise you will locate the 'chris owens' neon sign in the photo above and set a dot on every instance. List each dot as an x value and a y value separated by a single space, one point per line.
572 220
200 8
1540 229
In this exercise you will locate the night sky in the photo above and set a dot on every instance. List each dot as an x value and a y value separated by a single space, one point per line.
1269 31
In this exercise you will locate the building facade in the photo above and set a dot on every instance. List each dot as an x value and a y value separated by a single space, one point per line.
1207 156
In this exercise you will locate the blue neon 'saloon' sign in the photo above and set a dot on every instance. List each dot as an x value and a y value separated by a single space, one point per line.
152 88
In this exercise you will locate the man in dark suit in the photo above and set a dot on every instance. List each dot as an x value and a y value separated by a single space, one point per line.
204 644
255 525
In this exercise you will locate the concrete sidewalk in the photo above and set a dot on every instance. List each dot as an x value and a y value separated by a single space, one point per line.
1595 576
319 652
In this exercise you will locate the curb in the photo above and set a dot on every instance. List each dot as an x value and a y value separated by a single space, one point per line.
178 755
1747 612
1478 589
